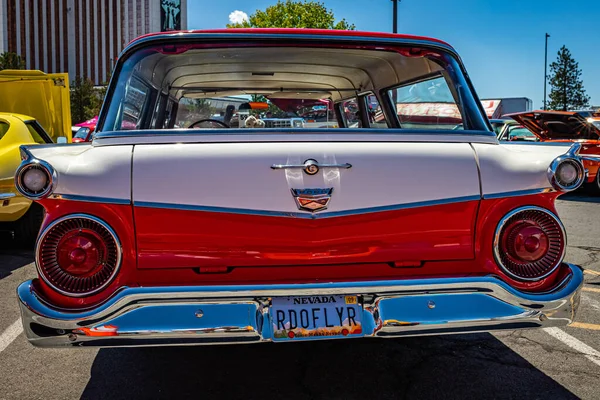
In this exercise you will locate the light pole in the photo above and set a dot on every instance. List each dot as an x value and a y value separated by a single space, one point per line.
395 28
545 70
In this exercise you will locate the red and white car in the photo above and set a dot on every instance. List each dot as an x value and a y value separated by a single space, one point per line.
155 235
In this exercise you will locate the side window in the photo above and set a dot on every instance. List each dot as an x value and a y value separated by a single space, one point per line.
426 104
376 116
3 129
136 96
350 113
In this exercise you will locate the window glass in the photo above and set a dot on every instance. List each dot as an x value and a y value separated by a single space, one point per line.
520 133
136 96
427 104
37 132
376 116
82 133
3 129
350 113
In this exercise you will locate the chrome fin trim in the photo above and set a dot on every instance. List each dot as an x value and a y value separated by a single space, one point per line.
307 215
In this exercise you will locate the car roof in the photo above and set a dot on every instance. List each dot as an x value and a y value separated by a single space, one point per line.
294 31
22 117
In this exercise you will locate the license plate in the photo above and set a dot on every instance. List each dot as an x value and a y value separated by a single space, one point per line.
311 317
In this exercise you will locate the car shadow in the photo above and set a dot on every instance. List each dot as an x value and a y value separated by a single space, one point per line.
12 255
448 367
580 196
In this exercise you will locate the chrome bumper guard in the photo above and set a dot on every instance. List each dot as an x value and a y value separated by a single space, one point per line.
146 316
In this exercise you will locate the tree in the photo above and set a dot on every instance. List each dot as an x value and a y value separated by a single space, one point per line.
294 14
567 92
85 100
9 60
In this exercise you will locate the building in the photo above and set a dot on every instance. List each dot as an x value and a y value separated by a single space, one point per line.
82 37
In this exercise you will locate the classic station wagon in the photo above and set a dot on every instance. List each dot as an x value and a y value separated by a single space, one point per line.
174 228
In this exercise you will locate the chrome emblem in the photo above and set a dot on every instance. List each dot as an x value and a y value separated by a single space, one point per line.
311 166
312 200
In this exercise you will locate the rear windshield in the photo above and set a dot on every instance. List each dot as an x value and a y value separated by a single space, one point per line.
281 87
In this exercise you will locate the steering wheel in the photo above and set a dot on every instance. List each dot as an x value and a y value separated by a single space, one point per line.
212 121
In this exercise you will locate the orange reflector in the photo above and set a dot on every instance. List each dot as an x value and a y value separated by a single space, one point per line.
255 105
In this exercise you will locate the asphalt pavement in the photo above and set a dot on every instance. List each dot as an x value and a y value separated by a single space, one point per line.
556 363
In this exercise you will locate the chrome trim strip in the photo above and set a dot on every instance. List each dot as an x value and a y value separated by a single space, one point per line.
497 242
89 199
306 215
235 314
300 135
516 193
309 163
4 196
42 235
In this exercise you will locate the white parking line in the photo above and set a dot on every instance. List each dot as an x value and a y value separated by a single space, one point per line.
10 334
590 353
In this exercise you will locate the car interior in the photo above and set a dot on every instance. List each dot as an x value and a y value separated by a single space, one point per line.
160 87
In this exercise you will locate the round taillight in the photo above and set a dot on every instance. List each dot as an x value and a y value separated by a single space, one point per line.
35 180
78 255
530 243
566 173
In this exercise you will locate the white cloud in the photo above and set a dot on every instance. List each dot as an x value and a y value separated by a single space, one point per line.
237 17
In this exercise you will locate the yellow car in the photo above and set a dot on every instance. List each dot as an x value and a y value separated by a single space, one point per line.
45 98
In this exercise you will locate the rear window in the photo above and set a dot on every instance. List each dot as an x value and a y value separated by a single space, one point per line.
281 87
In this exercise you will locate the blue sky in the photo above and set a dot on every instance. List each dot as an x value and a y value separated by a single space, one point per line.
501 42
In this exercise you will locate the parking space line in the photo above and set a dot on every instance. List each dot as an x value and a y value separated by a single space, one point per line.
10 334
590 353
591 272
585 325
591 289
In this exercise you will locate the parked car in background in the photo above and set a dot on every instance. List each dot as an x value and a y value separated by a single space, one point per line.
17 213
568 127
44 98
513 131
85 131
395 225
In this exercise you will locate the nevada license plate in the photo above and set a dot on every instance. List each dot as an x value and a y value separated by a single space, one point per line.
305 317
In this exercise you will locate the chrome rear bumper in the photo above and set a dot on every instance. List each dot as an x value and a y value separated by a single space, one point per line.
146 316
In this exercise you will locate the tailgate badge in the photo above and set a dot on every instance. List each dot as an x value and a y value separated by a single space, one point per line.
312 200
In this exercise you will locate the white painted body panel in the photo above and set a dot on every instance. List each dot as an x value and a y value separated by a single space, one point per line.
88 171
239 175
509 168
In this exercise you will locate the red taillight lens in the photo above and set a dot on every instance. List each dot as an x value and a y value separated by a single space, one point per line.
529 243
78 255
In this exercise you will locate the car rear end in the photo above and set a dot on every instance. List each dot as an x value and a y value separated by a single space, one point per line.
393 225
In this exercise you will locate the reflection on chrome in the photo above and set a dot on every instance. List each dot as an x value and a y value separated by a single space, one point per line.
241 314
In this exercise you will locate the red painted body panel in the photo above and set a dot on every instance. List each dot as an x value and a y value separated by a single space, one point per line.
185 239
261 249
120 219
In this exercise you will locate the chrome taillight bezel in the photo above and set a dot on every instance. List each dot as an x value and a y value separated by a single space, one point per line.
554 179
498 237
50 227
37 164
